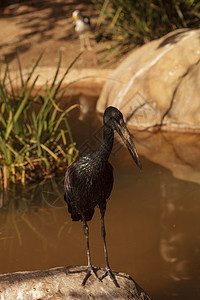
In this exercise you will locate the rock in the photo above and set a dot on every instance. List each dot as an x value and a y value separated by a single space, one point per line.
161 81
65 283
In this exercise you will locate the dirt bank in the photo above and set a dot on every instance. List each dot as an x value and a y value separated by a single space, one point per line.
47 28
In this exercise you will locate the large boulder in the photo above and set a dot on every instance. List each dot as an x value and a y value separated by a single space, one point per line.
159 83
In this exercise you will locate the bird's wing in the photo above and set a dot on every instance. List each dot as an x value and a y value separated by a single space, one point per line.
71 195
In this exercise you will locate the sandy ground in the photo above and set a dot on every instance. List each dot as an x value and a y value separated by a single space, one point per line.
48 28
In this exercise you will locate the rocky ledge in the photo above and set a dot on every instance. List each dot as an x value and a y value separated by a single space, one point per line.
65 283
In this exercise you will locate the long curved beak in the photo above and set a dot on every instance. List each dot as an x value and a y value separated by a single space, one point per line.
126 137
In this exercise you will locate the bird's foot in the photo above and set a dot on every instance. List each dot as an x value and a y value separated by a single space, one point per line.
91 270
110 273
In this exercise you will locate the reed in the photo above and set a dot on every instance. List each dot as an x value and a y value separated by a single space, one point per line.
33 144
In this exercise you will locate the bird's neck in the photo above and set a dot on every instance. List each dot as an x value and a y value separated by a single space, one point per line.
106 145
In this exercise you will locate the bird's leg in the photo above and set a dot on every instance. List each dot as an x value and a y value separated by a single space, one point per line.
82 43
87 41
108 269
90 267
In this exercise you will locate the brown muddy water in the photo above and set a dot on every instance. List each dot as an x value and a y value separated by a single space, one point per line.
152 222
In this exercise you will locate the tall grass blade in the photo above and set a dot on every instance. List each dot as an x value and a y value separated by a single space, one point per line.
20 70
21 93
65 74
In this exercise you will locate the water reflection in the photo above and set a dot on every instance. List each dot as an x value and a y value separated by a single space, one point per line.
52 192
179 243
173 241
178 152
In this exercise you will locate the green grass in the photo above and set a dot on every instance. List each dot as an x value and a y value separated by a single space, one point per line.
129 23
33 144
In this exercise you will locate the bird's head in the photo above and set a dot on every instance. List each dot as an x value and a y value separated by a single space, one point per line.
76 15
113 119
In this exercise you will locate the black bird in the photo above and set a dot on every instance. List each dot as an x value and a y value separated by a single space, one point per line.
89 181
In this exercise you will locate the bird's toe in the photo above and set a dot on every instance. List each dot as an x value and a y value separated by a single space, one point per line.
110 273
89 271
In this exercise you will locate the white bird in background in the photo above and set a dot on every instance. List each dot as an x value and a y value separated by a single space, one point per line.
82 27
